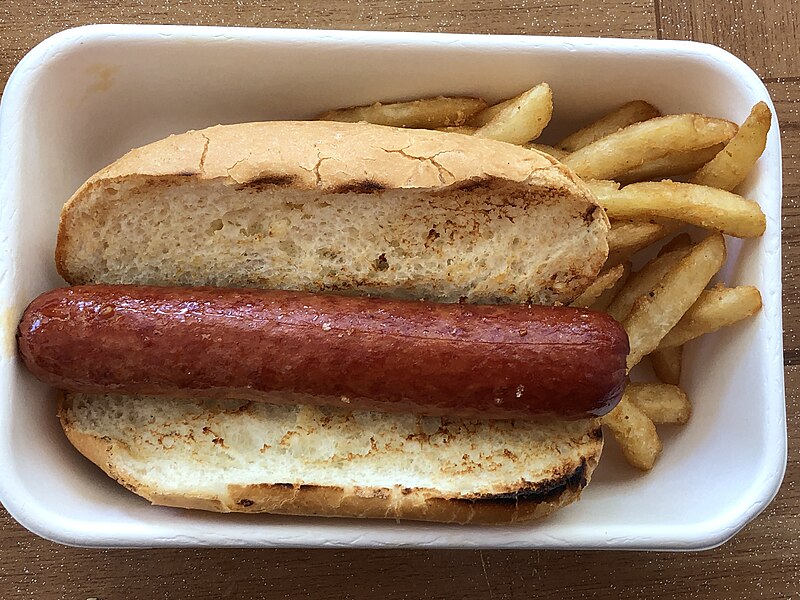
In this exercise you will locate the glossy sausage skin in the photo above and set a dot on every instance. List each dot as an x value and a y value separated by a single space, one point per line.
362 353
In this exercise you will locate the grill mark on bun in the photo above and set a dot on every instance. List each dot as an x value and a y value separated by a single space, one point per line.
475 183
268 180
364 186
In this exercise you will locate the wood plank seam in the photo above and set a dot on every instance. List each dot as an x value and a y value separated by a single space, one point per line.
657 11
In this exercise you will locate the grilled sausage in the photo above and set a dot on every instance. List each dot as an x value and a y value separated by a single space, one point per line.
362 353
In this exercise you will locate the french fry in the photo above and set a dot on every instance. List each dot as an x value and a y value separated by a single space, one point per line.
637 144
427 113
675 163
635 433
608 295
462 129
627 114
667 363
682 240
626 238
694 204
714 309
604 281
663 404
681 244
489 113
602 187
656 313
729 168
644 281
523 119
554 152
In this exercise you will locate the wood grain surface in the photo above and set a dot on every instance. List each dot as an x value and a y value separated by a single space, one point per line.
763 561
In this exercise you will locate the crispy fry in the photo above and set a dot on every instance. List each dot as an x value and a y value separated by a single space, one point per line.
729 168
663 404
554 152
605 281
682 240
626 238
627 114
609 294
714 309
427 113
637 144
675 163
644 281
463 129
694 204
656 313
523 119
635 433
602 187
489 113
667 363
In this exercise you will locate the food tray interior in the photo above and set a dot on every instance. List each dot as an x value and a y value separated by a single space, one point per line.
86 96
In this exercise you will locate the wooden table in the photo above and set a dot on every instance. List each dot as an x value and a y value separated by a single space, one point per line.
762 561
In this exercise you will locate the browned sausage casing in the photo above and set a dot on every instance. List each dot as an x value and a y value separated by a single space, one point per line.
376 354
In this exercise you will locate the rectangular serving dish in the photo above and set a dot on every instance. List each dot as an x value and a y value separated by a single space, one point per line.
85 96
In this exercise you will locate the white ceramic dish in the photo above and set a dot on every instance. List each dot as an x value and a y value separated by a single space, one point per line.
85 96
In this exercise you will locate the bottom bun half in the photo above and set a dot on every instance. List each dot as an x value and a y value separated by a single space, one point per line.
237 456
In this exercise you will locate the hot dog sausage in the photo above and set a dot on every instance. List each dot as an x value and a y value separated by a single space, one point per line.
363 353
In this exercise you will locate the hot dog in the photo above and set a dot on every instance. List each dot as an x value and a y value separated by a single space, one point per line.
400 215
495 362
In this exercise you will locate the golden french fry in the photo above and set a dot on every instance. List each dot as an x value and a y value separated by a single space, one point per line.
714 309
427 113
463 129
627 114
656 313
626 238
629 236
644 281
605 281
682 240
523 119
637 144
729 168
608 295
664 404
487 114
667 363
602 187
694 204
675 163
554 152
635 433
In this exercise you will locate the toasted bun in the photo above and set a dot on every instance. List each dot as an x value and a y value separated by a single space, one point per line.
320 206
236 456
